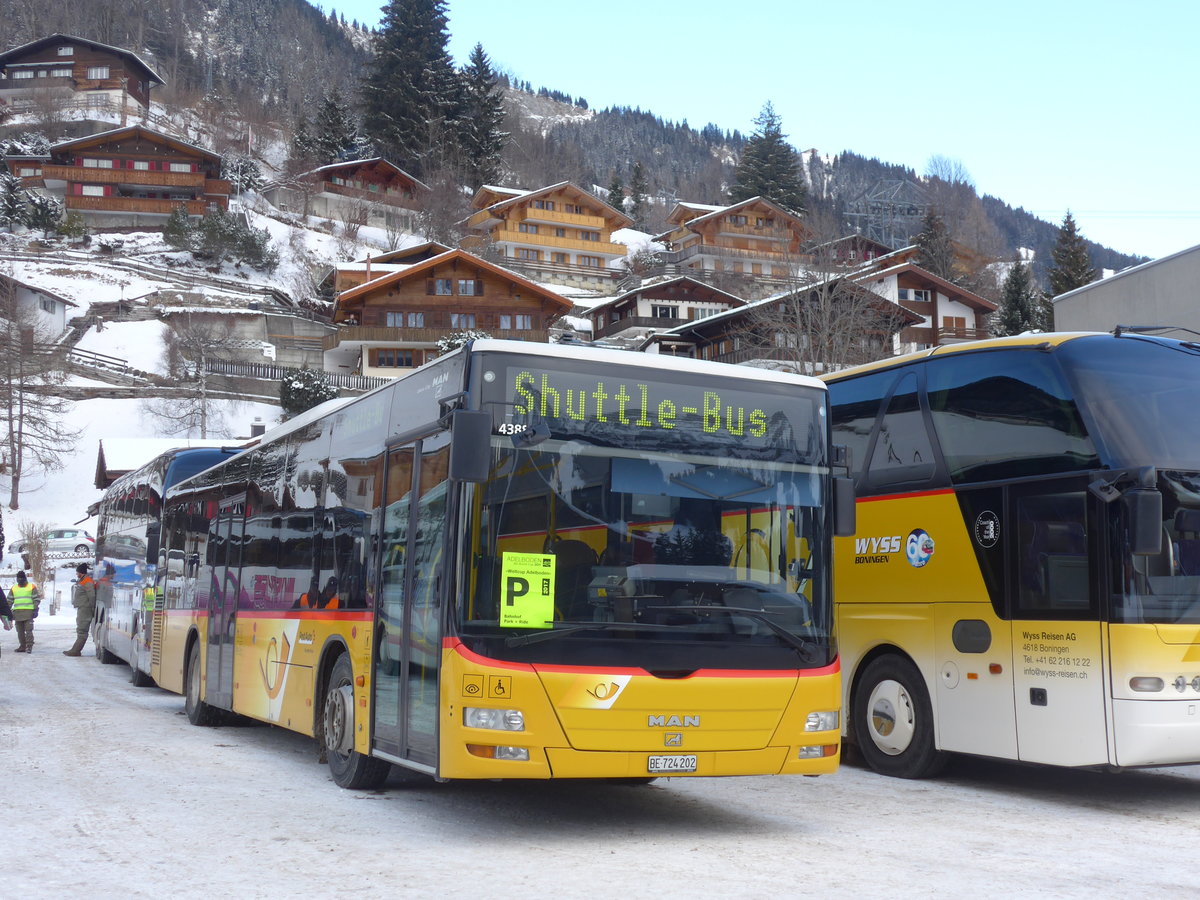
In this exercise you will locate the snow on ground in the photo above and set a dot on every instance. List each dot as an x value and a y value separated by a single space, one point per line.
129 341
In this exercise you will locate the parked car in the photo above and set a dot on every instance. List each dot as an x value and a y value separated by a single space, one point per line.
62 540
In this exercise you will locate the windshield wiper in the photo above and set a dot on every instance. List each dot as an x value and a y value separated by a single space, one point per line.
806 649
519 640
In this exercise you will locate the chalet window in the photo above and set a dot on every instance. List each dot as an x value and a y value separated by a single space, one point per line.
590 261
41 73
526 228
470 287
559 257
180 167
664 312
442 287
393 319
141 165
909 294
736 220
515 323
21 73
91 190
560 232
97 163
764 223
574 208
462 320
66 51
28 172
589 235
529 254
97 73
46 304
544 204
60 73
614 316
415 319
391 358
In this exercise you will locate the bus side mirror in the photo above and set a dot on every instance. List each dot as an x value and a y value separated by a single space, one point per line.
152 539
844 522
470 445
1145 521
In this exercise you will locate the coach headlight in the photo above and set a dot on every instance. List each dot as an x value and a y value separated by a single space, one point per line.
826 720
493 719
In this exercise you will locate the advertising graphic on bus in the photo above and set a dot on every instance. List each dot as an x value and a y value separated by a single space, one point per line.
522 561
1025 578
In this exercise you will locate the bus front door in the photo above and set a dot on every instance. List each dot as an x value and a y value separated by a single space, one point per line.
408 624
1058 659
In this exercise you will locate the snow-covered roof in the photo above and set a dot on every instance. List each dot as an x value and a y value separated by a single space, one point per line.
150 133
354 163
58 38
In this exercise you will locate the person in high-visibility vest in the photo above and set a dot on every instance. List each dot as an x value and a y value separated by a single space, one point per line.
25 599
84 600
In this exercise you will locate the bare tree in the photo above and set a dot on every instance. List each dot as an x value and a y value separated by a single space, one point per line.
444 207
39 437
187 350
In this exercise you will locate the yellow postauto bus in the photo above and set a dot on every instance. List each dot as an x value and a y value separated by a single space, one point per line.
1025 578
521 561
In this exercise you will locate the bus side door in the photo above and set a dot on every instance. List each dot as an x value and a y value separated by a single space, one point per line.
1058 657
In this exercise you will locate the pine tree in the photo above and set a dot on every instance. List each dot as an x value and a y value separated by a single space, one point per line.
1072 266
44 213
412 97
334 132
302 155
1019 305
482 138
637 195
241 172
616 193
304 389
769 167
935 252
12 201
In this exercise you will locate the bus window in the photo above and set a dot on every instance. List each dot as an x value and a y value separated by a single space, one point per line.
854 416
903 453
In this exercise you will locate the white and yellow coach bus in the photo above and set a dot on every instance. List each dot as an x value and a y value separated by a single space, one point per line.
1025 578
522 561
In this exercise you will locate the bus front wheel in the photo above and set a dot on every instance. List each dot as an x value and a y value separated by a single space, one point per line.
893 720
198 712
349 768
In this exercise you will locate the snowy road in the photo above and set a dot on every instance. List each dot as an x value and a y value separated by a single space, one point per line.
109 792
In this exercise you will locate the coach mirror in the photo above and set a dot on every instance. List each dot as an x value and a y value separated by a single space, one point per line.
844 524
1145 521
470 445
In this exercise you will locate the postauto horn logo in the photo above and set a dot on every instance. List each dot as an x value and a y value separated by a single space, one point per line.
919 547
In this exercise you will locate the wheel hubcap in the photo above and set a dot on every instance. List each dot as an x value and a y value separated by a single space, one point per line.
891 719
338 722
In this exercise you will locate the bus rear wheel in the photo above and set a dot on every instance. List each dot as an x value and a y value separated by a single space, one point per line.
349 768
893 720
198 712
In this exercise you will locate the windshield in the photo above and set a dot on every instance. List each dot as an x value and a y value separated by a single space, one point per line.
1138 394
1163 588
603 538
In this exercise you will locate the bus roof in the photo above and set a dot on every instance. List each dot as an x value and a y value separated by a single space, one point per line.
645 360
1029 339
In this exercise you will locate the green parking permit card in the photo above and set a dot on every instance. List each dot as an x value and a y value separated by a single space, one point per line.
527 590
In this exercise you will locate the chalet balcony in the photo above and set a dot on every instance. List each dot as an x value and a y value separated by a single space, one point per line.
652 322
762 233
379 334
217 187
958 335
544 241
593 223
675 257
398 199
134 205
74 174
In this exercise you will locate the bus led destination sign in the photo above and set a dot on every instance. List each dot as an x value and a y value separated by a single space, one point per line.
566 397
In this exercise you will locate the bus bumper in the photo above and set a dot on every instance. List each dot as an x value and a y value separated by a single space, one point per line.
1156 732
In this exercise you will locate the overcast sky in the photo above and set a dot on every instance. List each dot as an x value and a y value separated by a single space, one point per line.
1048 105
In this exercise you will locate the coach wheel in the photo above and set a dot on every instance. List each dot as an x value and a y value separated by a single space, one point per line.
198 712
349 768
100 637
893 720
137 677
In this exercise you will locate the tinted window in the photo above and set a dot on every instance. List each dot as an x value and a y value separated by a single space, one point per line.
902 453
855 405
1006 415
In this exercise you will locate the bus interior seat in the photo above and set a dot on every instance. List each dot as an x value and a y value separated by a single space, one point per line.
574 561
1062 558
1187 527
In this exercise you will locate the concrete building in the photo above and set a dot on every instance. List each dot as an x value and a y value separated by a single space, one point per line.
1160 292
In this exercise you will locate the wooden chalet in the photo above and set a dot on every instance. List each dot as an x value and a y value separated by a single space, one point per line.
373 191
346 275
560 233
394 322
38 304
76 68
658 305
134 176
949 314
755 238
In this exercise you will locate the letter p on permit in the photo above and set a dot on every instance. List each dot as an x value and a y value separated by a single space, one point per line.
515 587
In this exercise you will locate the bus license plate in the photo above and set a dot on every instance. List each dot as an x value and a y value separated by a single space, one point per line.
661 765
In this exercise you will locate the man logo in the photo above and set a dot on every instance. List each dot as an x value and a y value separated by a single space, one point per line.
673 739
672 721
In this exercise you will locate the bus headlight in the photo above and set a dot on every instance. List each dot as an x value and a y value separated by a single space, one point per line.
494 719
1148 684
826 720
